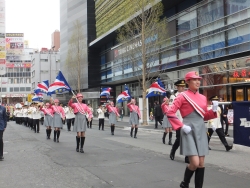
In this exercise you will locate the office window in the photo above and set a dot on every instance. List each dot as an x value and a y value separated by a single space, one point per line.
11 80
21 80
22 88
28 88
4 89
11 89
16 88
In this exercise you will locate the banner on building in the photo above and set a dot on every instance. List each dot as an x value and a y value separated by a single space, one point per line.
241 123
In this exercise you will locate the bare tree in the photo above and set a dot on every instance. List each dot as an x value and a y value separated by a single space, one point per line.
141 39
76 56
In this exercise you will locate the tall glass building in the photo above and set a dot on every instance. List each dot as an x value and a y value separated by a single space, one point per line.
209 36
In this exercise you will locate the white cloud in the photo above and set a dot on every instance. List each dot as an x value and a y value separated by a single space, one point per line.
35 18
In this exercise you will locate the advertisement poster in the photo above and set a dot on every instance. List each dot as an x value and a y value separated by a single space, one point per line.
230 116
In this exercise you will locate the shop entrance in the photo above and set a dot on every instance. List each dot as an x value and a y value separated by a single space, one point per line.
241 93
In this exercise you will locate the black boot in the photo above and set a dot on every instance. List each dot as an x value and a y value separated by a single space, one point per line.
47 133
111 127
164 137
170 139
199 177
224 142
58 135
172 154
77 143
50 132
131 132
55 135
82 144
187 176
136 129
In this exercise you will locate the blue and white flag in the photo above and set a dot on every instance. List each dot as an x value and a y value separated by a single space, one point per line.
42 87
38 97
155 90
59 86
124 96
106 92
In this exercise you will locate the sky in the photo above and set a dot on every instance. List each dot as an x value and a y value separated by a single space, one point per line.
37 19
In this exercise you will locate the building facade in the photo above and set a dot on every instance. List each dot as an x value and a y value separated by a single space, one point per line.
45 66
16 82
208 36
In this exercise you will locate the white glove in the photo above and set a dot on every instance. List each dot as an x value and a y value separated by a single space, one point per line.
186 129
215 106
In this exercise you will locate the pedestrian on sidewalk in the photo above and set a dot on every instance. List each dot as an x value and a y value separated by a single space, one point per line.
80 124
113 113
134 117
57 118
101 111
3 125
193 143
166 124
215 125
180 86
121 113
89 123
158 114
223 116
48 118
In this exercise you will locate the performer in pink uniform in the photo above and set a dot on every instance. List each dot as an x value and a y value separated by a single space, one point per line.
48 118
80 124
193 143
135 115
57 119
112 115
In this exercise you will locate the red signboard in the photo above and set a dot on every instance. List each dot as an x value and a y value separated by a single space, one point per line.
2 61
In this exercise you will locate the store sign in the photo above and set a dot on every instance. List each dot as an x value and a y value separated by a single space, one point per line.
14 65
14 35
16 95
134 45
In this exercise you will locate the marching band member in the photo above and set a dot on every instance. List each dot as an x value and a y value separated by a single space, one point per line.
101 111
166 124
180 85
134 117
89 123
48 118
215 125
36 118
112 115
57 119
30 116
18 115
193 143
70 116
80 125
25 114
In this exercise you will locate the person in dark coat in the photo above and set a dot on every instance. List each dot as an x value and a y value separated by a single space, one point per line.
158 114
223 116
3 125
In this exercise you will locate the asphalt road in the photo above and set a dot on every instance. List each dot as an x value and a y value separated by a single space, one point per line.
110 161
